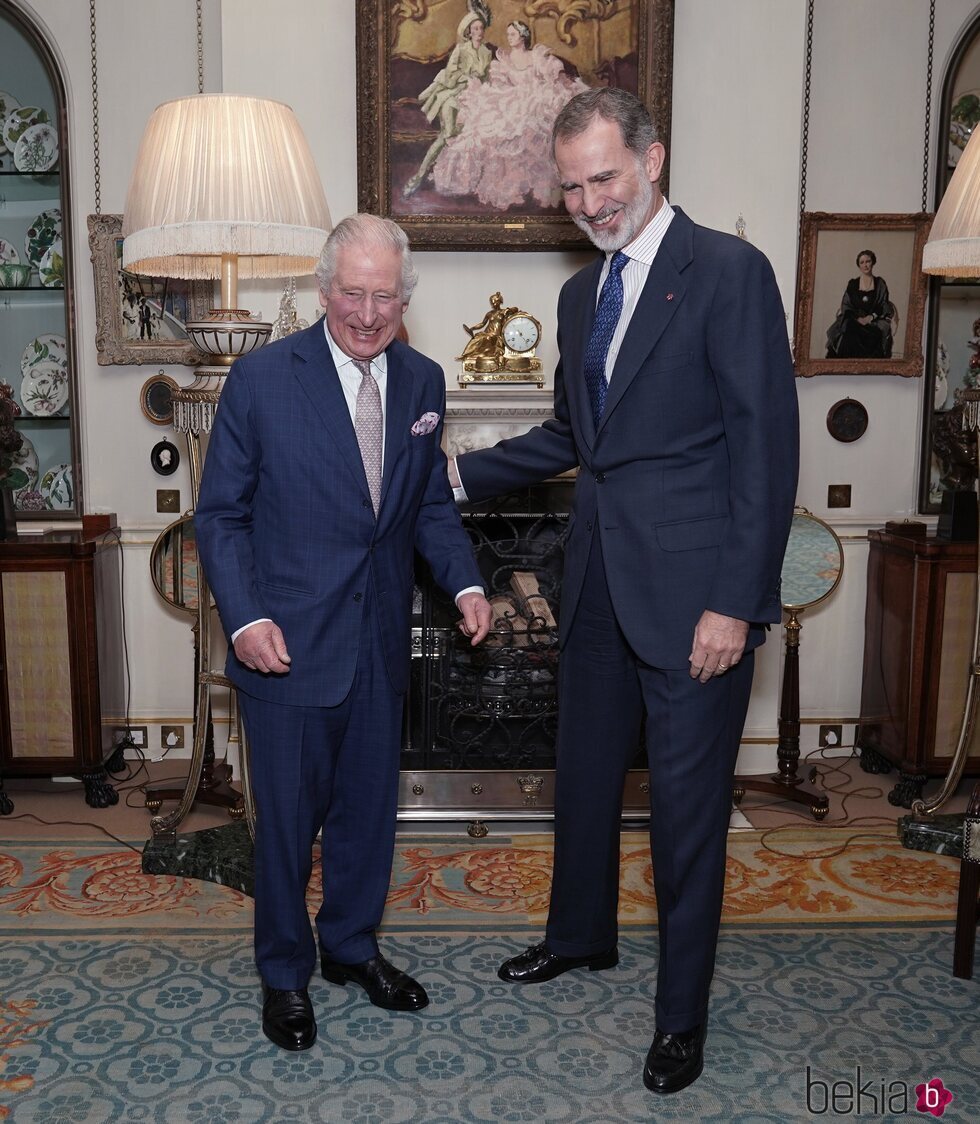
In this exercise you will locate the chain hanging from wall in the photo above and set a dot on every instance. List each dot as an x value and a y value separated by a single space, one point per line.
807 81
94 60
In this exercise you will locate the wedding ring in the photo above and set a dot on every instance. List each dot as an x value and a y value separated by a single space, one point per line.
723 667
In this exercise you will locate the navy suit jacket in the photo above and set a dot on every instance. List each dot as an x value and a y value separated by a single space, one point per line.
284 523
691 478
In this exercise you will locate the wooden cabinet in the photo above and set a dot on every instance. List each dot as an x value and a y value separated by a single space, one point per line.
37 347
918 644
61 658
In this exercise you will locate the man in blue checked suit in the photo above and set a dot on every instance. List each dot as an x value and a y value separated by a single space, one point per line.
675 399
324 473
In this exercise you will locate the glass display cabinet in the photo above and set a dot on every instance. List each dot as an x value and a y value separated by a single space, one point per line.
37 347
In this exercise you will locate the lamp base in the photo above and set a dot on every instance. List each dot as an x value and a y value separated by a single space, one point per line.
227 333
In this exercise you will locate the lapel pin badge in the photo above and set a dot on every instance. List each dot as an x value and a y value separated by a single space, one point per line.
670 296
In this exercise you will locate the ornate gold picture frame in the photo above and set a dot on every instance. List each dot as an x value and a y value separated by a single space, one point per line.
845 327
140 319
453 138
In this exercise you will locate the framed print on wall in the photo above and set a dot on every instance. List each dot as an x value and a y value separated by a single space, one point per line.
140 319
860 294
456 99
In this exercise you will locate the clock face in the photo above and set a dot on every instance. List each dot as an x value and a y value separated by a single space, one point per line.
521 333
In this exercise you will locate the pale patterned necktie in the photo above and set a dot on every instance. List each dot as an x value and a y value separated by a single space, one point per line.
368 428
607 314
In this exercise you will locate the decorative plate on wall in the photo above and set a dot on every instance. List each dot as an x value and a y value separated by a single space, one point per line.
847 420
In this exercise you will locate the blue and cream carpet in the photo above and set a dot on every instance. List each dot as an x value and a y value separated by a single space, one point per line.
125 997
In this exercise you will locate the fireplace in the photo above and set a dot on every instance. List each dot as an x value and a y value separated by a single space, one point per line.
481 723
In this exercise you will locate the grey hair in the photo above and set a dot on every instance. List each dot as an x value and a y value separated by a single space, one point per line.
358 230
611 104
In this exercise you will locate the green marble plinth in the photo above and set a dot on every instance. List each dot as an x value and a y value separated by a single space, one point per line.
943 835
216 854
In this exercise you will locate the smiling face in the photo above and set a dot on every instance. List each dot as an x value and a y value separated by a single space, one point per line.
364 303
609 192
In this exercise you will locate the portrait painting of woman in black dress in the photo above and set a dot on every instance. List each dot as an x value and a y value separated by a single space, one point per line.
867 319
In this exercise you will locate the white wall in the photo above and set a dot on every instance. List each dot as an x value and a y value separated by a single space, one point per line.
736 149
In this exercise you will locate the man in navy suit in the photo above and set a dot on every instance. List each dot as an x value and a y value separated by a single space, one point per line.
675 399
324 473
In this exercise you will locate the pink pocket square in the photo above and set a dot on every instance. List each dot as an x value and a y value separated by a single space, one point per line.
426 424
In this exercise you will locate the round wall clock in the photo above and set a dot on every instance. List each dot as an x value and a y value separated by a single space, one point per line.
847 420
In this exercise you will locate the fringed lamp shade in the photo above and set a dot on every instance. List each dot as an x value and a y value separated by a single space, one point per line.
224 186
222 175
953 248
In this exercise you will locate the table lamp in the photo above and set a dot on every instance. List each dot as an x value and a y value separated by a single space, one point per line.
224 187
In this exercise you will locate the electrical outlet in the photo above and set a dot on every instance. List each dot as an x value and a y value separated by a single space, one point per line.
168 499
171 737
830 736
136 734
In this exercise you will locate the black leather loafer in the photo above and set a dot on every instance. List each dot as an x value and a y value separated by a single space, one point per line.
287 1018
386 985
674 1061
536 964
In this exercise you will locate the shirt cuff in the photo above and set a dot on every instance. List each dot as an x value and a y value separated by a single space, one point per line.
459 493
468 589
238 631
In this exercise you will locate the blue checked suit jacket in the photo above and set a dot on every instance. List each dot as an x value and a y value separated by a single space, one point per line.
284 523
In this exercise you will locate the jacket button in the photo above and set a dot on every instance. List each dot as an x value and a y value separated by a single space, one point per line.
358 596
588 526
600 478
365 503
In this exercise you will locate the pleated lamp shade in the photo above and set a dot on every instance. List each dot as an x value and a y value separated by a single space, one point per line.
953 247
222 176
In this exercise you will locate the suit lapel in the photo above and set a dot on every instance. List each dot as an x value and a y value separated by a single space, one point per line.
398 414
318 377
661 296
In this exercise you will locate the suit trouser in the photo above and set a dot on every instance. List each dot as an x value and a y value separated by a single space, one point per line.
333 769
692 737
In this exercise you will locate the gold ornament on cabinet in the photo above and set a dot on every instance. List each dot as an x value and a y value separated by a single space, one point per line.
501 347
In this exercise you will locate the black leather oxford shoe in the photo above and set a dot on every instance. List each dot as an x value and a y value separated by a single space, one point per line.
674 1061
536 964
385 985
287 1018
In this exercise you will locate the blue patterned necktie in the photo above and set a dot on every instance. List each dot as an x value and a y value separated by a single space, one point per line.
607 314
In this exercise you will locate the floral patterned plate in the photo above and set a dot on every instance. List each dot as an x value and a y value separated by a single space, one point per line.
47 346
8 103
51 267
18 121
8 253
43 232
44 389
37 149
57 487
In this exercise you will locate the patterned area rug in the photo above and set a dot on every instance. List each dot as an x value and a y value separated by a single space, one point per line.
782 877
126 997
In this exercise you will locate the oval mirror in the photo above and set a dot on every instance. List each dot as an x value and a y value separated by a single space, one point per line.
173 564
813 563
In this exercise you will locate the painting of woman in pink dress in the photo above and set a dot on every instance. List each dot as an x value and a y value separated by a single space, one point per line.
502 152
